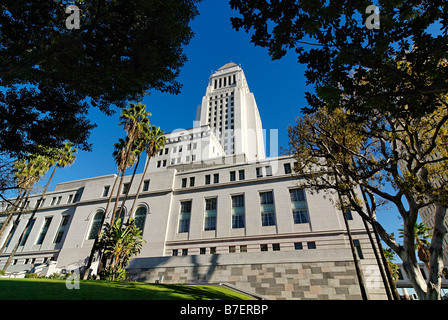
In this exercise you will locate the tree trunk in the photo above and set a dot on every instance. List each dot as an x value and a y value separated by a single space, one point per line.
11 256
92 251
141 182
127 191
436 263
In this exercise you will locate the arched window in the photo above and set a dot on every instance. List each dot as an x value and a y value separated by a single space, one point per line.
96 224
121 216
140 218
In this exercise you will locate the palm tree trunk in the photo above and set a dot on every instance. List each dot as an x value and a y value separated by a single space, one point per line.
12 211
36 207
120 184
127 191
141 182
92 251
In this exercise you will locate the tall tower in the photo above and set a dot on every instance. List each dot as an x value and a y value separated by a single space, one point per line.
229 108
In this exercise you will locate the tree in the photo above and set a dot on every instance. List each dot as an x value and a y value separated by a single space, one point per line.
393 268
421 242
334 152
348 62
52 75
62 157
118 244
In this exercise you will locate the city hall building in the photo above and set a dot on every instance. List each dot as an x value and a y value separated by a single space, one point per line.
213 209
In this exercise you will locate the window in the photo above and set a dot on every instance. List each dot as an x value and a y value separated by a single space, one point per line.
106 191
357 245
202 250
287 167
125 188
232 249
267 208
27 232
159 163
348 214
44 230
243 248
232 176
59 200
185 252
164 163
259 172
238 220
191 181
276 247
53 201
140 218
61 229
298 206
241 175
207 179
166 150
175 253
146 185
210 214
77 197
263 247
298 246
311 245
184 218
96 224
119 215
216 178
213 250
184 182
268 171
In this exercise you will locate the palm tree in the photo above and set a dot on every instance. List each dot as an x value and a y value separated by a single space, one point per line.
422 236
27 172
155 142
119 243
393 268
62 157
135 120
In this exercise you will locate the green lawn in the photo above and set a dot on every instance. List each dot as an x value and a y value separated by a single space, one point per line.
48 289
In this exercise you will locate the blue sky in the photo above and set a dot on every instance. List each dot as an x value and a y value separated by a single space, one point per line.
279 88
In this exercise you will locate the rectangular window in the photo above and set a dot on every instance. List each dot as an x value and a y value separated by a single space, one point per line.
61 229
243 248
216 178
267 208
232 249
59 200
287 167
191 181
146 185
268 171
276 247
184 218
202 250
125 188
27 232
185 252
210 214
241 175
238 212
184 182
263 247
232 176
357 246
53 201
298 206
44 230
259 172
175 252
348 214
213 250
311 245
298 246
106 191
207 179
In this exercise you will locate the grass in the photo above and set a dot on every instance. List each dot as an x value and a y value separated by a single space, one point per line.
49 289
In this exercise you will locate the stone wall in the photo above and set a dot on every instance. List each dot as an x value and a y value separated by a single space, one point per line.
313 274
